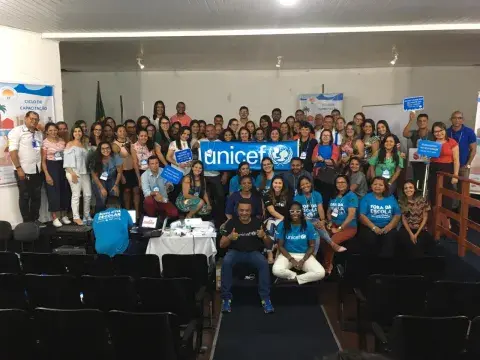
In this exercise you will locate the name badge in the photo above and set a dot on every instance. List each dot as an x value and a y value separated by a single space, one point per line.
196 194
36 144
143 162
58 155
156 188
334 212
104 176
344 154
386 174
296 192
303 155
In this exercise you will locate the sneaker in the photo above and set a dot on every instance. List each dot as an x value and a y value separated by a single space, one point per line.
226 305
267 306
39 224
89 220
57 223
66 220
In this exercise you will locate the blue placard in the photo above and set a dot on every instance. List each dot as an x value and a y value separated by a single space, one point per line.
413 103
228 155
172 175
183 156
429 148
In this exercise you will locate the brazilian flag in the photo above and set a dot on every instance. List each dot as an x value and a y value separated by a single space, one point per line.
100 111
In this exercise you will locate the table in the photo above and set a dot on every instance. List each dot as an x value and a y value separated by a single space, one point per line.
183 245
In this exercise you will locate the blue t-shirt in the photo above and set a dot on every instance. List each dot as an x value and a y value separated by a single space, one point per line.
296 240
111 166
235 184
340 206
464 138
379 212
111 231
310 204
258 183
233 200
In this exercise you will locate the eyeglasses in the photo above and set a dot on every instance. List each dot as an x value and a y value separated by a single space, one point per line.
438 131
295 211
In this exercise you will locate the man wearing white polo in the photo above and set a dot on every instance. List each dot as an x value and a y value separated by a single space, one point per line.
24 145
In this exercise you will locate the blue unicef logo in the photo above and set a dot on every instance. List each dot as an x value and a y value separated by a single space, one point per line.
280 154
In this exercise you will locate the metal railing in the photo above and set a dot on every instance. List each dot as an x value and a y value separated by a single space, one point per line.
461 217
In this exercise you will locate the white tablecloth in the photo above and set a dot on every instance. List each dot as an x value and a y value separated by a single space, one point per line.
182 245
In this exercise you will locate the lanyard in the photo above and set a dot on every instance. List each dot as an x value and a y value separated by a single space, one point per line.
308 145
453 136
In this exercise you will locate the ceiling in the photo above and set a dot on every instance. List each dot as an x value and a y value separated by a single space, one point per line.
135 15
250 52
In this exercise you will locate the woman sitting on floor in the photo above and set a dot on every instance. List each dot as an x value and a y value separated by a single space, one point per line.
296 242
379 215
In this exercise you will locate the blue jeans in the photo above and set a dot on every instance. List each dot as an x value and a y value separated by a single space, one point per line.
254 258
99 199
322 234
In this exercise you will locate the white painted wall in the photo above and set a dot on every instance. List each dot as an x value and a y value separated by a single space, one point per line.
27 58
207 93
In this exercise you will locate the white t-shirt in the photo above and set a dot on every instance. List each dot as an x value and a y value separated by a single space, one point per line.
29 147
211 173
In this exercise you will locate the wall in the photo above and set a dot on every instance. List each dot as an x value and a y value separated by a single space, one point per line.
27 58
207 93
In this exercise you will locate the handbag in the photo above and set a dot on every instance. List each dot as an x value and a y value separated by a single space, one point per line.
326 175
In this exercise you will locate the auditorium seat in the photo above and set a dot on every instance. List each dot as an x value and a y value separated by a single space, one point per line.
473 347
27 232
181 301
72 334
6 234
386 296
42 263
424 338
12 292
9 263
150 335
16 335
451 298
53 291
146 265
77 265
109 292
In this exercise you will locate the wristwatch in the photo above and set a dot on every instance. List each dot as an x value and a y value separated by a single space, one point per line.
373 228
468 166
340 228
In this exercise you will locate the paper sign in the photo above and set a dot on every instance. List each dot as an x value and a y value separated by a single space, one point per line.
183 156
171 175
413 103
149 222
429 148
414 157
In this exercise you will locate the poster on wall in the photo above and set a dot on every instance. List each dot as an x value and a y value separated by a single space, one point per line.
313 104
475 170
15 101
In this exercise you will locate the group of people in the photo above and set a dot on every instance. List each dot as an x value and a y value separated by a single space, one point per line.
346 179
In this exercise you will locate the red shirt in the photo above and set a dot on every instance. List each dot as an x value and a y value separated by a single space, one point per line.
446 154
276 124
183 120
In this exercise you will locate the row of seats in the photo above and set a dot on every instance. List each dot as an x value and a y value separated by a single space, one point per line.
105 293
23 233
92 334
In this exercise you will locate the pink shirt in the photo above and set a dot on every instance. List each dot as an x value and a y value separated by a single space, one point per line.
183 120
53 148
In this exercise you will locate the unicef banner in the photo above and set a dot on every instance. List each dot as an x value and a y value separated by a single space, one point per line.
475 170
313 104
15 101
217 155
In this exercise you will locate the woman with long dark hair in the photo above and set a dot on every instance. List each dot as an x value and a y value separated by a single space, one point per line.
358 120
275 135
227 135
296 242
370 140
96 134
106 174
250 125
181 143
142 123
286 132
110 122
175 129
163 136
356 176
383 130
193 199
379 216
387 163
413 237
233 125
141 151
264 179
351 144
108 133
158 113
266 124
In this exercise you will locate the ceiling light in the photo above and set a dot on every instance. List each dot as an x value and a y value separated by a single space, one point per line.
140 63
288 2
394 55
279 62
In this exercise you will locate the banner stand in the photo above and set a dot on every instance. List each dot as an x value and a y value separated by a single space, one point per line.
425 180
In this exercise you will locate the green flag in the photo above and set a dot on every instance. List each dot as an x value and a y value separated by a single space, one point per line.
100 111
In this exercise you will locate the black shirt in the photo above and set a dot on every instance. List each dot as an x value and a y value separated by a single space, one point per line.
305 149
280 204
248 240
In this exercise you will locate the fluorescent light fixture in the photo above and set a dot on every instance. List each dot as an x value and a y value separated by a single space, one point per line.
288 2
251 32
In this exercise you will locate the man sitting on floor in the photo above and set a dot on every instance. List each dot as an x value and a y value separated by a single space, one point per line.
245 241
110 228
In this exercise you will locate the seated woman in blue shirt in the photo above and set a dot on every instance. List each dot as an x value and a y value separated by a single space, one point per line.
246 192
106 174
296 242
243 169
312 204
264 179
379 216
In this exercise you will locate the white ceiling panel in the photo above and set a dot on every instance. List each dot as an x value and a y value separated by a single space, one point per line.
260 52
136 15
